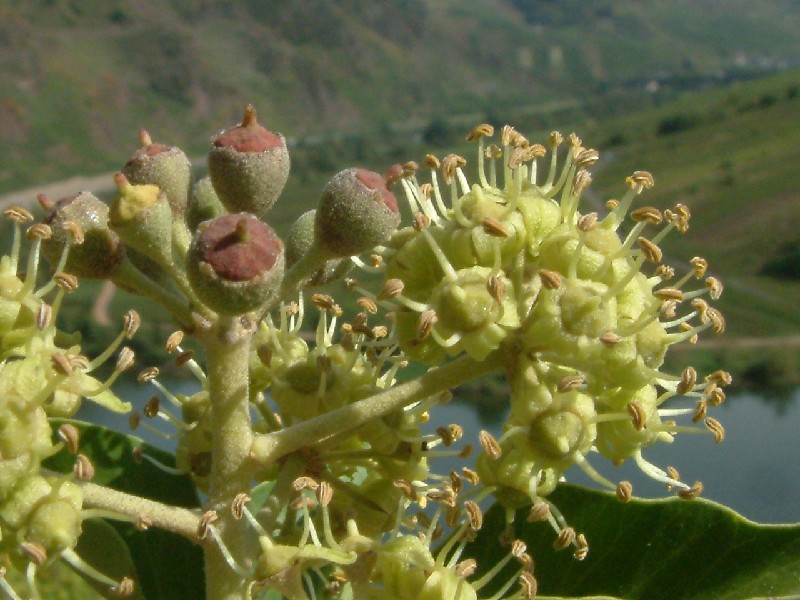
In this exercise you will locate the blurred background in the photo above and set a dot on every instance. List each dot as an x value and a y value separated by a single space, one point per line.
705 94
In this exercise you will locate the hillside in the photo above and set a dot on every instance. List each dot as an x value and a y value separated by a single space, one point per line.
78 77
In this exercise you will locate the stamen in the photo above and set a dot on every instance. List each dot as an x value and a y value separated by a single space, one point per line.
122 589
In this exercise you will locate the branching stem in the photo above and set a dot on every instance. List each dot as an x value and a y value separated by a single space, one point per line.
269 447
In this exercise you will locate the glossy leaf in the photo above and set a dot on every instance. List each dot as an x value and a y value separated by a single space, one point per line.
168 567
102 546
650 549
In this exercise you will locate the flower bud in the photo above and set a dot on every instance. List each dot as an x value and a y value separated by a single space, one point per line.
101 251
248 166
299 242
356 212
164 166
142 217
235 263
204 204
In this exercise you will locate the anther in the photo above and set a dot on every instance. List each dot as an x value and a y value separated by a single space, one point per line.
507 134
669 293
60 363
624 491
490 445
445 435
425 325
410 168
583 547
647 214
304 483
665 272
391 289
474 514
550 279
35 552
470 475
466 568
323 302
125 588
583 180
555 139
717 320
238 505
83 469
716 428
134 418
641 179
444 496
18 214
173 341
152 407
66 281
494 227
450 163
700 411
479 131
570 382
325 493
699 266
405 486
206 520
715 287
496 287
368 304
650 250
587 157
75 232
638 414
687 382
70 435
609 338
720 377
40 231
131 323
692 492
574 141
432 162
125 359
672 473
565 538
421 221
147 374
587 222
43 316
539 512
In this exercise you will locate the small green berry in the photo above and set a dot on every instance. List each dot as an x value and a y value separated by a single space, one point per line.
356 213
164 166
101 251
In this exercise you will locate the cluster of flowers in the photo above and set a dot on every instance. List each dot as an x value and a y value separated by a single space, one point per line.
43 375
506 271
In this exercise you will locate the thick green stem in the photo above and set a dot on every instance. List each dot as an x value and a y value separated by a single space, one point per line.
268 447
171 518
227 353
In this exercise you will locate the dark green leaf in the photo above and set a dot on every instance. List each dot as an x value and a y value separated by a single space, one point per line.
103 548
168 567
651 549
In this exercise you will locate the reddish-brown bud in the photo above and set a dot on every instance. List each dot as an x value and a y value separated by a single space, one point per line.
248 166
235 263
